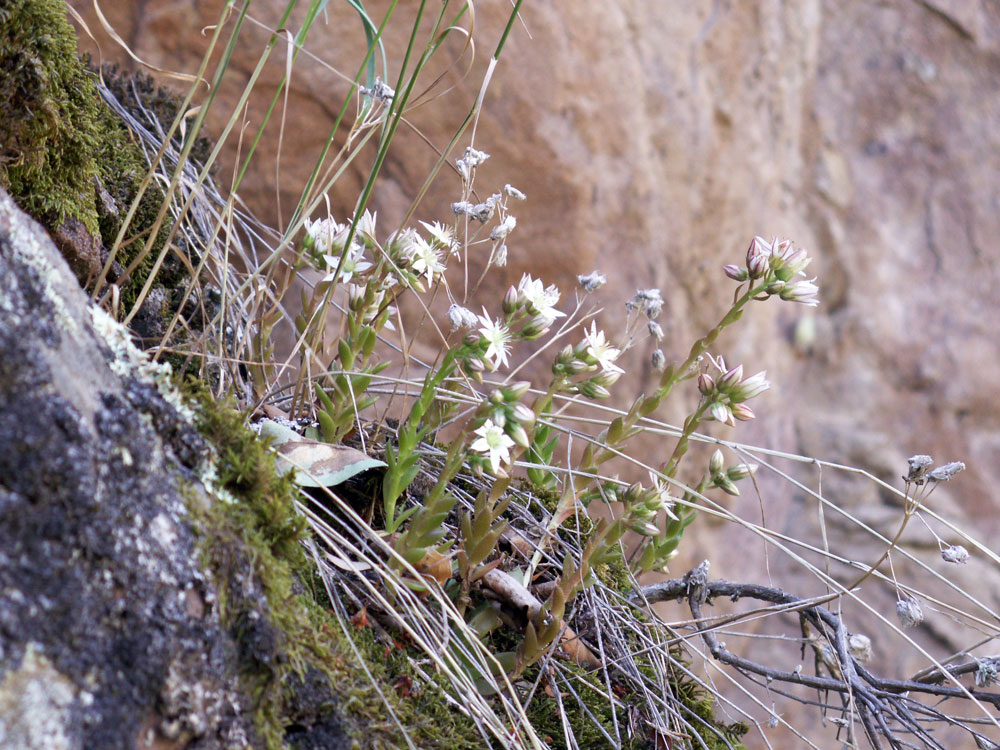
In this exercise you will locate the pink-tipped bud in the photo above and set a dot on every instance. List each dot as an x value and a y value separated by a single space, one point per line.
731 378
722 413
511 301
742 412
706 384
750 387
735 272
757 267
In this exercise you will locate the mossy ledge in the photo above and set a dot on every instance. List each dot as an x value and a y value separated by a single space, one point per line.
276 609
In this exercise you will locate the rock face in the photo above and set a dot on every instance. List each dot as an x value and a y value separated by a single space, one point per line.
110 632
106 639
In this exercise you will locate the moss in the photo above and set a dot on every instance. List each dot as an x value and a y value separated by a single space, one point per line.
287 636
614 573
64 156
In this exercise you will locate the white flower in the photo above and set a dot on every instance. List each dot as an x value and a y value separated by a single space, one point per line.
365 226
540 300
601 350
326 234
353 264
494 442
498 337
425 259
441 236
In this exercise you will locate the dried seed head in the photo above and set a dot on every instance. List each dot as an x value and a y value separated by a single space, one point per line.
909 613
986 674
955 554
461 317
860 647
591 281
946 472
514 193
918 467
659 360
655 330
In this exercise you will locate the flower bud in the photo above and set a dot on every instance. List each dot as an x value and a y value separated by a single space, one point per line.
706 384
471 338
566 355
716 463
523 414
516 391
517 433
740 471
355 297
742 412
607 378
496 397
750 387
735 272
579 366
722 413
644 527
727 486
775 287
731 378
757 267
590 389
537 326
791 264
918 467
511 301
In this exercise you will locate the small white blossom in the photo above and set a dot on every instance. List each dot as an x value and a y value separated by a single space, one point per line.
601 350
441 236
353 263
426 260
494 442
498 337
365 226
540 300
326 235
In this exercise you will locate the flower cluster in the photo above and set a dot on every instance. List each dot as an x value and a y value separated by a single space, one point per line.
529 310
775 265
503 422
726 394
592 355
